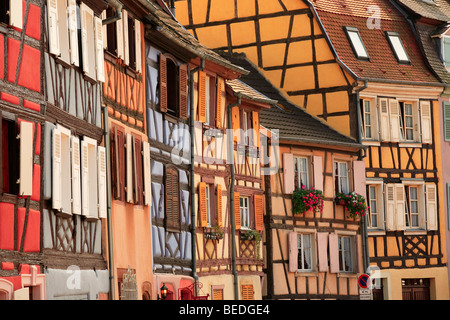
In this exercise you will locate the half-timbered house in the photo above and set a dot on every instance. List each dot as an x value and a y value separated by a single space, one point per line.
129 151
21 154
357 66
74 177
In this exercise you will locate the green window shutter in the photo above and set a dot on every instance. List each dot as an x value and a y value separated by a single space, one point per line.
447 51
446 121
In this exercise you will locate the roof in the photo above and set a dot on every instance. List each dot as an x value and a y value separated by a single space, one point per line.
293 123
432 9
334 15
173 30
248 92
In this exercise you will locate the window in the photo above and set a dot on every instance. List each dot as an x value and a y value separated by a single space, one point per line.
172 87
210 100
375 218
397 46
245 212
247 292
11 13
412 207
356 42
9 147
345 253
368 119
301 171
341 178
446 50
304 246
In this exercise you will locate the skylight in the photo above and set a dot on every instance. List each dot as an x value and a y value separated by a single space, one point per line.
356 42
397 47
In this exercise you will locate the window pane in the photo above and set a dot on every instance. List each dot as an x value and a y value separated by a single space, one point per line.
357 44
398 47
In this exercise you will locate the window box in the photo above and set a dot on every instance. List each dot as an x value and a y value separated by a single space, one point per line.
353 202
305 199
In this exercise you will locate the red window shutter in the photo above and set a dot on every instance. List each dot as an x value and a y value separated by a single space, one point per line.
203 210
293 251
202 96
255 119
220 102
219 205
259 212
237 211
163 83
183 79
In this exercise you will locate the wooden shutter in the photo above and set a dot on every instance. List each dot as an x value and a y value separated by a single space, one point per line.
384 119
236 125
118 162
446 106
432 219
219 206
129 168
84 178
73 32
202 96
101 172
126 49
56 169
147 174
322 251
318 172
220 103
138 44
237 211
183 78
16 13
137 171
217 294
288 173
172 200
393 120
359 177
390 206
53 30
425 117
293 251
400 206
334 252
76 175
26 158
255 119
247 292
100 61
203 209
119 35
85 10
163 83
259 211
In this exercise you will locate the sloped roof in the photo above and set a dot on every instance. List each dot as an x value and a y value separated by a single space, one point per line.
335 14
433 9
248 92
293 123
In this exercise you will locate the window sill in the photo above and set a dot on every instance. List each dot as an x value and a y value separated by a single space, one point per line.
376 232
374 143
415 232
347 274
308 273
411 144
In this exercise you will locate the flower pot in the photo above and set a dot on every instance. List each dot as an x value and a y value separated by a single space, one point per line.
341 202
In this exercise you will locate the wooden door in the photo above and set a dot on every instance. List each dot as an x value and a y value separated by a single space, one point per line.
416 289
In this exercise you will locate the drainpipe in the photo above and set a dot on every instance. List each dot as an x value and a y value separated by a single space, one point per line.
230 149
118 6
192 195
360 157
108 201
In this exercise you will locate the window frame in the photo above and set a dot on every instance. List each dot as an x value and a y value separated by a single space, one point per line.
297 173
394 34
301 252
378 202
415 116
444 61
374 118
341 253
348 31
244 213
337 175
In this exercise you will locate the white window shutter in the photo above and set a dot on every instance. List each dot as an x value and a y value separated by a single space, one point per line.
147 174
26 158
293 251
390 206
73 32
100 61
53 30
56 169
104 31
318 172
394 120
432 220
84 178
16 13
129 168
400 206
119 34
137 33
85 11
126 49
76 176
384 119
425 117
101 171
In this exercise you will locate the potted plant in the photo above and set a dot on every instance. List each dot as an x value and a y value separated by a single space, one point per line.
353 202
305 199
252 235
215 233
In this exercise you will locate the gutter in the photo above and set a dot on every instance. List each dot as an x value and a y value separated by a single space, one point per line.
118 6
233 226
191 167
108 203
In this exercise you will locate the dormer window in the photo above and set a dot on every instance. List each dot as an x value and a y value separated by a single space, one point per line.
357 45
397 47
